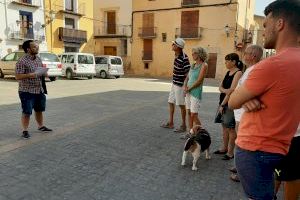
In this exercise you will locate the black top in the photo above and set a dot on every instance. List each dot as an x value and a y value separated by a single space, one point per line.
181 68
226 83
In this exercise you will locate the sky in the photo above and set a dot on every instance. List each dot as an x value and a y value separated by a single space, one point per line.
260 6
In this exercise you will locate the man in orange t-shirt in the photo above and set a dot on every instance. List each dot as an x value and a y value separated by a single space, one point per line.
271 95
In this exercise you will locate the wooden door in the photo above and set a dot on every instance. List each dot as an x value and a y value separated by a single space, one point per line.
189 24
147 54
212 64
110 51
111 22
148 24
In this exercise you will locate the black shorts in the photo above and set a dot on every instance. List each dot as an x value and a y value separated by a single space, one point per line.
289 168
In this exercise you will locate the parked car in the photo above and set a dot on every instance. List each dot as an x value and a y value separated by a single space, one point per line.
78 65
8 63
49 60
107 65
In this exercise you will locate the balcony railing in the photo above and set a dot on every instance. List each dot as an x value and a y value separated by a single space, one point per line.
111 31
189 3
147 56
147 32
31 3
79 11
188 33
20 35
72 35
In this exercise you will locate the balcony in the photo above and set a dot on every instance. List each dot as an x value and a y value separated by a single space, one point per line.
30 3
147 56
112 31
188 33
248 36
72 35
80 11
147 32
189 3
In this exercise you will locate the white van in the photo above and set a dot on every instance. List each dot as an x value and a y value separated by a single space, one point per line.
77 65
109 66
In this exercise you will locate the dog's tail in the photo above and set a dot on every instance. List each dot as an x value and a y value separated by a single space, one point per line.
189 143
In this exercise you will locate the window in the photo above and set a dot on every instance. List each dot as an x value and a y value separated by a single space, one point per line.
64 59
101 60
26 25
19 55
70 59
49 57
146 65
69 4
111 22
9 57
116 61
83 59
70 23
124 42
164 37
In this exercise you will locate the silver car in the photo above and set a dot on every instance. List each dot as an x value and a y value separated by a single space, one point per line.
107 65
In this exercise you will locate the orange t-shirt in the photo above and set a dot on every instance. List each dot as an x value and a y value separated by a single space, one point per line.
276 83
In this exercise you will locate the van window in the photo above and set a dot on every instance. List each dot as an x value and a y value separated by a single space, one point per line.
64 59
116 61
101 60
84 59
70 58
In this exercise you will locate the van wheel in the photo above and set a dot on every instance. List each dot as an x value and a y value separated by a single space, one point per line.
52 78
103 74
90 77
69 74
117 76
1 74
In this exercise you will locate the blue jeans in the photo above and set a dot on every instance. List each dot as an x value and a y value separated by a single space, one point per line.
256 172
31 101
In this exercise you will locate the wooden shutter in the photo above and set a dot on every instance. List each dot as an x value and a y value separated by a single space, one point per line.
189 24
148 24
212 64
111 22
147 54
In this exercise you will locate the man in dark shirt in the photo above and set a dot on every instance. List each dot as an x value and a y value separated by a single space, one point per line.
32 87
177 95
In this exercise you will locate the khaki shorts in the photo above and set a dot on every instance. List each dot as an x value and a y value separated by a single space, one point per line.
176 95
192 103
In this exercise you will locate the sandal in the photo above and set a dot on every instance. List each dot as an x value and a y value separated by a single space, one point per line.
227 157
233 170
181 129
234 177
44 128
167 125
220 152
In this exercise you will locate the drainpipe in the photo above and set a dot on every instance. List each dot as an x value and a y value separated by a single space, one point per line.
6 23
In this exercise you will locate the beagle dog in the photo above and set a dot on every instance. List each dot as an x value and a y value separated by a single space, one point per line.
198 142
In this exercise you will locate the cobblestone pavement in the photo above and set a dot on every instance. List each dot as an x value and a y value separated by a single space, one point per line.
107 144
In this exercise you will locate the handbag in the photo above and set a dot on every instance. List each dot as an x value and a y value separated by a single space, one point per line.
218 117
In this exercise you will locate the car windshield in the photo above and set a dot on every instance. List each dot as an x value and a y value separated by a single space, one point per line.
115 61
49 57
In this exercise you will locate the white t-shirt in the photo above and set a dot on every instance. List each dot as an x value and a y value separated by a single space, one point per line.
238 112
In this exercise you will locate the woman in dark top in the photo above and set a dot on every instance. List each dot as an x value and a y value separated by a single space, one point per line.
230 81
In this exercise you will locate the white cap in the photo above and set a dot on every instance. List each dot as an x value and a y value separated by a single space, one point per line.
179 42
